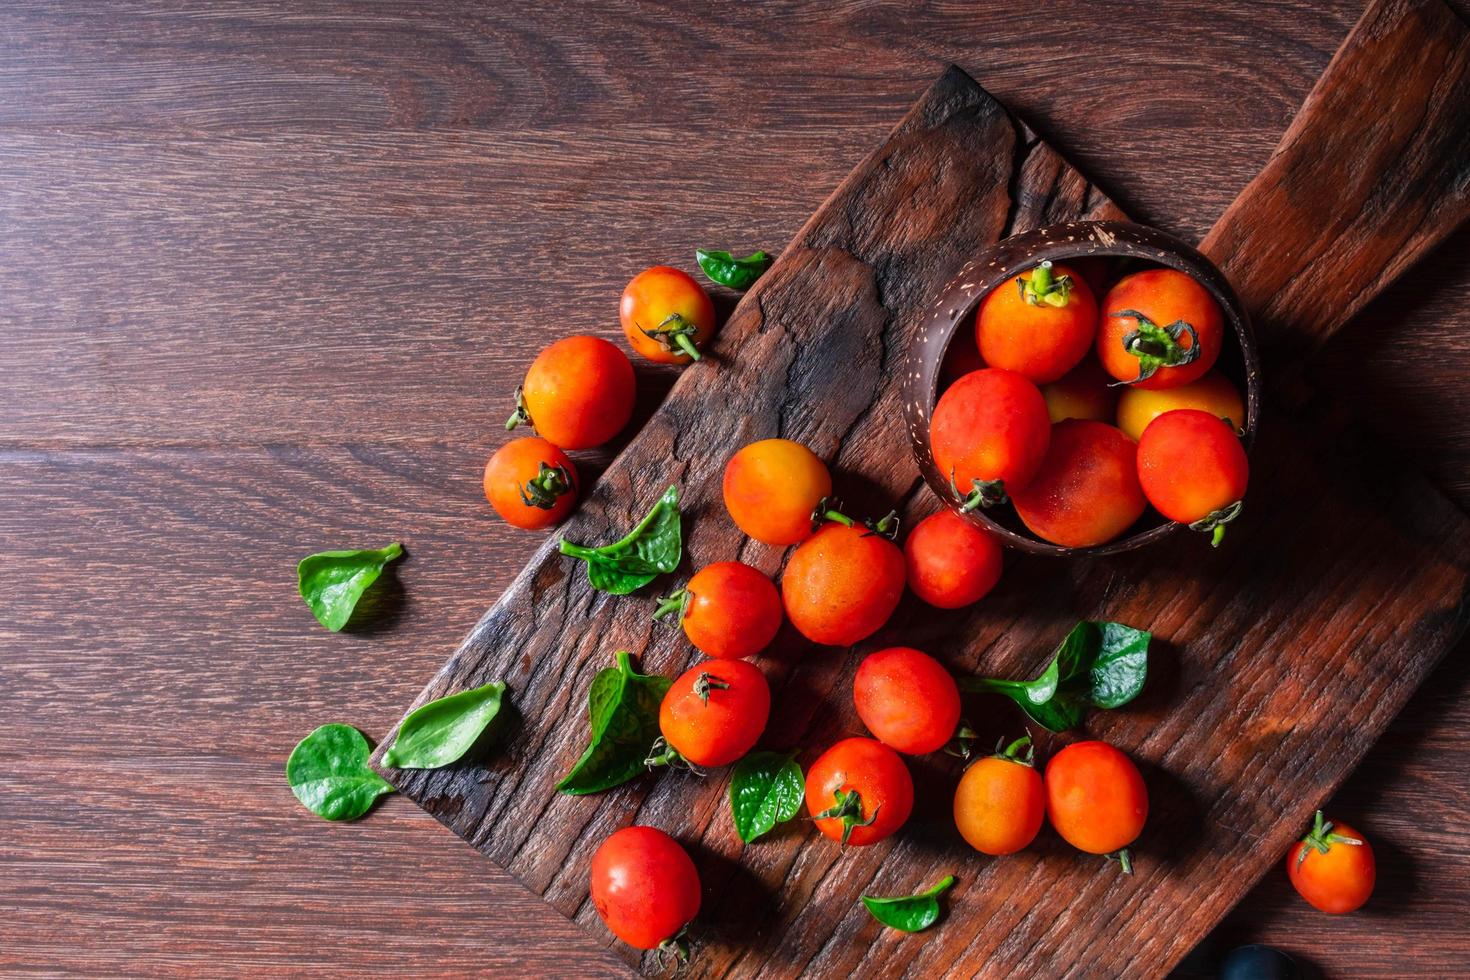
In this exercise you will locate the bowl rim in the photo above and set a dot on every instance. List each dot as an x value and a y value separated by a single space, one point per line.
955 306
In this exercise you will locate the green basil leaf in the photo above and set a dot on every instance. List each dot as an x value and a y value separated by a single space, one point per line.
442 731
909 913
1119 667
329 774
766 788
653 548
622 707
331 582
727 270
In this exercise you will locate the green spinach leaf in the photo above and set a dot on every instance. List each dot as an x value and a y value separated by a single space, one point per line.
766 788
442 731
1102 665
651 549
329 774
727 270
909 913
622 706
331 582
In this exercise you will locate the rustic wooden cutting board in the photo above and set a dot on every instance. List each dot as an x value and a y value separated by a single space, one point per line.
1280 658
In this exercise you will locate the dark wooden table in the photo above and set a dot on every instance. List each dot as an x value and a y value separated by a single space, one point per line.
268 273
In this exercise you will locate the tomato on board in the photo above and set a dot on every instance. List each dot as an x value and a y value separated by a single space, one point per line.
859 792
578 393
645 887
951 563
666 315
907 699
772 487
715 711
1159 329
1096 799
989 433
841 584
1039 324
1332 867
728 610
1087 491
1085 393
1000 801
531 483
1213 393
1193 469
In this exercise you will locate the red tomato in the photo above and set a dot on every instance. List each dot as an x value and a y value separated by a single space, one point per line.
1332 867
989 434
1087 491
1159 350
728 610
531 484
578 393
1085 393
1039 325
907 700
859 792
842 584
1193 469
951 563
666 315
771 488
1096 799
1000 802
715 711
644 886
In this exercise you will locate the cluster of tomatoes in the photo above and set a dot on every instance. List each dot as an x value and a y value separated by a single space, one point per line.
1033 420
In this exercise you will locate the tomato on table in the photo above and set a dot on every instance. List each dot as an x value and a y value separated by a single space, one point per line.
578 393
1039 324
645 888
1086 392
1096 799
843 583
1332 867
950 562
771 488
666 315
1159 329
727 610
907 699
1086 492
859 792
1000 801
989 434
531 483
1193 469
1213 393
715 711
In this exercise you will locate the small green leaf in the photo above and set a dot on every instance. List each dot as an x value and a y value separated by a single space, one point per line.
442 731
329 774
909 913
727 270
651 549
766 788
331 582
622 707
1119 667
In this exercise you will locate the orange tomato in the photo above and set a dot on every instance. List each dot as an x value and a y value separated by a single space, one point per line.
842 584
715 711
1083 394
950 562
1159 351
666 315
989 434
1193 469
859 792
907 699
1096 799
1000 802
1332 867
1212 393
531 483
578 393
729 610
1087 491
1039 325
771 489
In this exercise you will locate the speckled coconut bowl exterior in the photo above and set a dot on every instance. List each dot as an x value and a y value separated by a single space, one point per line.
954 310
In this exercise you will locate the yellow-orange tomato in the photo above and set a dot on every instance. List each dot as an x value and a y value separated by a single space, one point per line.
1086 492
1095 797
1000 802
1039 324
1160 352
1085 393
578 393
1332 867
531 483
951 563
666 315
1212 393
771 488
842 584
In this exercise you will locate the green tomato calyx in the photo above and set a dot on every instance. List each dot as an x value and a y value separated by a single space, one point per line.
675 949
1157 346
707 682
543 489
1321 838
675 602
1045 289
520 416
1215 521
1124 857
983 493
675 335
849 809
1012 752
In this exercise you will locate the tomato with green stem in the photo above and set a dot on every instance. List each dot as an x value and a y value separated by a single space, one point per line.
843 583
1332 867
1086 492
907 700
645 889
713 714
1000 801
728 610
1159 329
1213 393
859 792
950 562
771 488
1039 324
578 393
1193 469
666 315
1096 799
989 434
531 483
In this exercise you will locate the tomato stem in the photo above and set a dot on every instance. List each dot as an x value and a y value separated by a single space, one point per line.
675 602
1157 346
664 754
1321 838
675 334
1124 857
543 489
1045 288
707 682
1012 752
520 416
962 745
983 493
1215 521
848 809
676 947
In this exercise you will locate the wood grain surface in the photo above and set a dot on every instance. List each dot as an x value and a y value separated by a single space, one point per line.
268 273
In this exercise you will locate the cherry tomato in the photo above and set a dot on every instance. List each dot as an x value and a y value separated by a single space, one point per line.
531 484
771 488
1095 798
728 610
1159 351
989 434
842 584
1212 393
951 563
907 699
578 393
667 315
1085 393
644 886
1332 867
1087 491
715 711
1193 469
1000 801
1039 324
859 792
